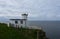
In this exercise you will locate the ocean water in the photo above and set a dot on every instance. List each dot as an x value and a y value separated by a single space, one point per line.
52 28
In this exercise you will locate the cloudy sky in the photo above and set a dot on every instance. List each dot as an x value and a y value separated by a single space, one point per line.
37 9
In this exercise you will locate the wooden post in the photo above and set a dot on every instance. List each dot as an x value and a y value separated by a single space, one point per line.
37 34
8 24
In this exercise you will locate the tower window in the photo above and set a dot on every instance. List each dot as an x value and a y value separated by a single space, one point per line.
16 22
21 22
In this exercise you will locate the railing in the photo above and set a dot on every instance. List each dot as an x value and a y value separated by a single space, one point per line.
33 27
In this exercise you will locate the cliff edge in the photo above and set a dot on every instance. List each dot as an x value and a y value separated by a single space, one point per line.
20 33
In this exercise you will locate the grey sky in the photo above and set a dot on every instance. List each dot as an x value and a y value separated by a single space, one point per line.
37 9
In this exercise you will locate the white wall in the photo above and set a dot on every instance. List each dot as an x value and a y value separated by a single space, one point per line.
19 23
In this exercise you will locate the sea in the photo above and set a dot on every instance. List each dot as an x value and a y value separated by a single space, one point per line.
52 28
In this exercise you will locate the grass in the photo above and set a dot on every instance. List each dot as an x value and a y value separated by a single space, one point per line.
14 33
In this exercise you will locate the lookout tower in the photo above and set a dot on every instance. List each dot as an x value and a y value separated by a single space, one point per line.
24 16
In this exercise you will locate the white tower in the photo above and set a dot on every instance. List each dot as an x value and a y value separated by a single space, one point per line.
24 17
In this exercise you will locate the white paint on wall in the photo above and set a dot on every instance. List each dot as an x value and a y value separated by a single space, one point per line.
19 23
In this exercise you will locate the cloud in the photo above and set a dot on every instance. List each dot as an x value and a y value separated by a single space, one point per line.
37 9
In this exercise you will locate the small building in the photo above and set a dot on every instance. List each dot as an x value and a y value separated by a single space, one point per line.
18 22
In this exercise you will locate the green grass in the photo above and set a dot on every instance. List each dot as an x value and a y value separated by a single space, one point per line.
14 33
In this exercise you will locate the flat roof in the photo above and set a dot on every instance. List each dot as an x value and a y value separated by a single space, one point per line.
25 14
17 19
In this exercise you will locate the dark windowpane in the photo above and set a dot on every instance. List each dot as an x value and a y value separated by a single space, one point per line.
16 22
21 22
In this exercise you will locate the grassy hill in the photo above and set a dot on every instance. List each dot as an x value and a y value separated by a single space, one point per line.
21 33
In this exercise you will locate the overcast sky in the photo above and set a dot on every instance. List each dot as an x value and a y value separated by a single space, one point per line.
37 9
